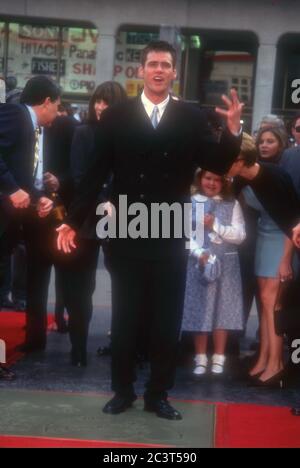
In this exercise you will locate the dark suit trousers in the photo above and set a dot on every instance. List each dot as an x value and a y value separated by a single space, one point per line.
39 242
39 235
14 267
79 281
161 283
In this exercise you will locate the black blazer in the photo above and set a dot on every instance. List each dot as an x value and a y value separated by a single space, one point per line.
151 165
57 154
82 159
16 150
275 190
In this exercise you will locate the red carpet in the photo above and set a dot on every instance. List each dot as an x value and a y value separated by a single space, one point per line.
13 333
47 442
249 426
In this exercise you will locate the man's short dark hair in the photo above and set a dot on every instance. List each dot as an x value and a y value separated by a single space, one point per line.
158 46
37 89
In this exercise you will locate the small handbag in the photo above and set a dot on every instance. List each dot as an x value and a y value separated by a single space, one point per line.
212 269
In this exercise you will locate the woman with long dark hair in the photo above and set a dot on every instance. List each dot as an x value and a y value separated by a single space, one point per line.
82 264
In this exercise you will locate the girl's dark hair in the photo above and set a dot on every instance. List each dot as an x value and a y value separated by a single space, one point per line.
110 92
226 192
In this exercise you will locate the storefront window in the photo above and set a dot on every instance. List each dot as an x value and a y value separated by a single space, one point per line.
287 76
65 54
78 61
32 50
212 65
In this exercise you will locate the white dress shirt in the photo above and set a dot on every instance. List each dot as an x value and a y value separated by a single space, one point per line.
149 106
38 180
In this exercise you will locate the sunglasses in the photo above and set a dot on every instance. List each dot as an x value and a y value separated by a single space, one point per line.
297 129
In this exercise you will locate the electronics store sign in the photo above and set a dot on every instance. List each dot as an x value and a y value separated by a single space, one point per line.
35 50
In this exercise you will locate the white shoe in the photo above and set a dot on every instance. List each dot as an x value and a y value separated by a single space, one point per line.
200 365
218 361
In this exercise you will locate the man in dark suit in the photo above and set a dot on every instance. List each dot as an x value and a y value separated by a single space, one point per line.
25 201
152 145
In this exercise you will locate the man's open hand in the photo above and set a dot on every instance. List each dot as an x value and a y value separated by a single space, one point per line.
65 239
233 112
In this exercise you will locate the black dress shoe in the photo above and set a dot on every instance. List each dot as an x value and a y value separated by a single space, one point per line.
6 374
276 381
163 409
118 404
30 347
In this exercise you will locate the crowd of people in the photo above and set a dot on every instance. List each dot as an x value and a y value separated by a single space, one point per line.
155 149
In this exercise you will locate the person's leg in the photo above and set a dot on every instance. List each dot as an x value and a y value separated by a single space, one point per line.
128 288
5 285
220 338
39 262
275 361
201 361
8 240
19 275
79 281
200 341
168 287
263 357
60 321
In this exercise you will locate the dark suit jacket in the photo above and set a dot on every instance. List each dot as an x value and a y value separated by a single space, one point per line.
16 150
17 156
151 165
82 159
57 154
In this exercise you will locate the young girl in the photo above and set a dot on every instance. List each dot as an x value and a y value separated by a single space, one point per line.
214 305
